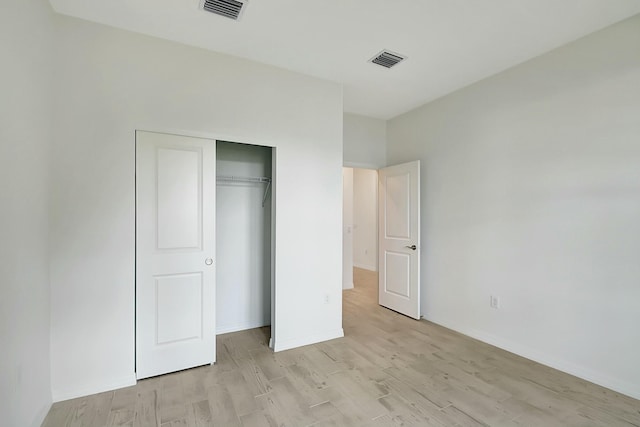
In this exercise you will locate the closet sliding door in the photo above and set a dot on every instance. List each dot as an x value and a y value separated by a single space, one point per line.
175 249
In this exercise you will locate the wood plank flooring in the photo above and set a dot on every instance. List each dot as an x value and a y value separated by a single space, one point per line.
389 370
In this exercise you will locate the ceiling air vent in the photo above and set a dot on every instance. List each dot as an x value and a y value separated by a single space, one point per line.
387 59
228 8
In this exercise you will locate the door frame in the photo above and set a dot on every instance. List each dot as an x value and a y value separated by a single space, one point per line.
242 139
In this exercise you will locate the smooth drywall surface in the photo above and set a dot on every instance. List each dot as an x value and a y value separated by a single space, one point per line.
531 193
111 82
243 239
347 228
365 219
365 140
25 110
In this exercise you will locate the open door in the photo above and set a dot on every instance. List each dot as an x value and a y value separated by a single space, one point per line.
175 245
399 238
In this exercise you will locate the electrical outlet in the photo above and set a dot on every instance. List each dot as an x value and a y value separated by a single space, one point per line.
326 299
494 302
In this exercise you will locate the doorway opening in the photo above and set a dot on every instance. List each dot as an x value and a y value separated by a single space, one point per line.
243 237
360 222
390 243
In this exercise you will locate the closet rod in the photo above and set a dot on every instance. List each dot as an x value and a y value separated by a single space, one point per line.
257 179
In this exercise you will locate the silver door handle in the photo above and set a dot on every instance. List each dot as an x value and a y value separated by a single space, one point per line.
208 261
412 247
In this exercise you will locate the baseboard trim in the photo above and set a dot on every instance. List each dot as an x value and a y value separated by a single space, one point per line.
240 327
366 267
349 286
617 385
281 345
93 388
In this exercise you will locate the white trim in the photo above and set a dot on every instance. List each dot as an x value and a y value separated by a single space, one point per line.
281 345
240 327
356 165
616 384
366 267
347 286
93 388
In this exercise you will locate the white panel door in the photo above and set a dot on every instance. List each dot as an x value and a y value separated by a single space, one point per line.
399 238
175 244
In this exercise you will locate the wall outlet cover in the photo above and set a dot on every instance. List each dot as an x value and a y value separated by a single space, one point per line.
494 302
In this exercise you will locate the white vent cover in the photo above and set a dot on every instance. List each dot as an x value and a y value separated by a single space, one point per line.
228 8
387 58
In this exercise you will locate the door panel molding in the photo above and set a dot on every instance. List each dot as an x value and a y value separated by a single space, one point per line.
399 238
175 236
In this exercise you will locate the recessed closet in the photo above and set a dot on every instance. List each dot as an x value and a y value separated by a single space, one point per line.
243 236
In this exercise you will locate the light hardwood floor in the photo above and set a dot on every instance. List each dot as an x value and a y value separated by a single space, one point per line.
389 370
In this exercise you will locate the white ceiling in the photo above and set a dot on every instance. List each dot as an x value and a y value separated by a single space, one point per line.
449 43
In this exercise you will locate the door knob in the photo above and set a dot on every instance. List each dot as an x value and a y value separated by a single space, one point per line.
412 247
208 261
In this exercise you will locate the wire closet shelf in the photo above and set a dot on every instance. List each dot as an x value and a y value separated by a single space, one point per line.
250 179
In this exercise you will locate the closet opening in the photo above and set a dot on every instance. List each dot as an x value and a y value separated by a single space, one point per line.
244 236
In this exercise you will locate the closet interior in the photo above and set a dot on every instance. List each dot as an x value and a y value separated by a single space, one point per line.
243 236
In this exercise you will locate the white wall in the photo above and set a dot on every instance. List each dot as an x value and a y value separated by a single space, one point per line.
347 228
530 192
365 219
243 239
108 84
25 109
365 140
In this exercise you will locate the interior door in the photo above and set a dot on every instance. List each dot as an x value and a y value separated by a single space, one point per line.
399 238
175 244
